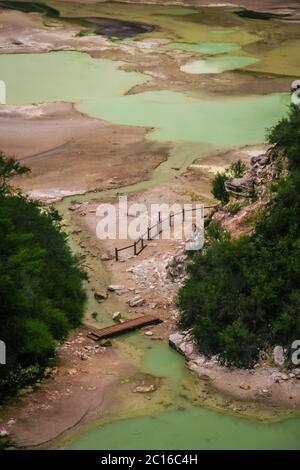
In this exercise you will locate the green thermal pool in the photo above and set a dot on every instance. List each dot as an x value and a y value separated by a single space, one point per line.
97 87
217 64
182 426
192 428
207 48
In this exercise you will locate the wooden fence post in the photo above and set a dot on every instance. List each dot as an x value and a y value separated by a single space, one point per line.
134 248
183 214
116 254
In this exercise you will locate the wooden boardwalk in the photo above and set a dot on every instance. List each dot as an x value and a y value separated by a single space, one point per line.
129 325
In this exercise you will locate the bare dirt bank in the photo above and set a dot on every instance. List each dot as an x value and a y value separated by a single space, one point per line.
70 153
78 390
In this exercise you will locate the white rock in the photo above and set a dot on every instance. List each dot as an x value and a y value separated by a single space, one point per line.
136 301
3 432
11 422
278 355
115 287
116 316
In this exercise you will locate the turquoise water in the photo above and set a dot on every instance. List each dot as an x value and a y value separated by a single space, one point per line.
220 122
209 48
97 87
63 76
192 428
217 64
183 426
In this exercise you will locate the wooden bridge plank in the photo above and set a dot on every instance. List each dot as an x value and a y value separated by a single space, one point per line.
97 334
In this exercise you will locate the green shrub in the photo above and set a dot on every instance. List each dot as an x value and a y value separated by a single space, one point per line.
236 170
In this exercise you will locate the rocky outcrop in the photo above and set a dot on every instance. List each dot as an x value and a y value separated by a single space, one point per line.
136 301
183 342
241 187
176 267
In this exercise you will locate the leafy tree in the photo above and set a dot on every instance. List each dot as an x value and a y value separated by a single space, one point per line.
9 167
236 170
41 290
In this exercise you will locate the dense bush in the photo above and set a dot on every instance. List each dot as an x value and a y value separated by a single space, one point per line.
236 170
243 296
40 282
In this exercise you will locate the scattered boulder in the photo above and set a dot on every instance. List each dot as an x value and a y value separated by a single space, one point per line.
260 160
278 356
100 295
4 432
240 186
115 287
183 342
144 388
245 386
116 316
74 207
276 377
11 422
175 340
176 267
148 333
106 257
136 301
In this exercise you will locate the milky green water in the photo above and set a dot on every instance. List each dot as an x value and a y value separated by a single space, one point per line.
97 86
192 428
209 48
217 64
63 76
183 426
220 122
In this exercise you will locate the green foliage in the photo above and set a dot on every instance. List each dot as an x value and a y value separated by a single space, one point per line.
236 170
286 136
243 296
40 281
233 208
215 233
218 187
9 167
